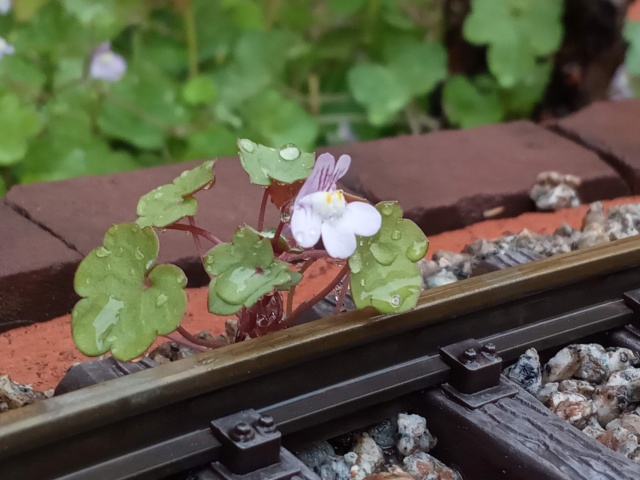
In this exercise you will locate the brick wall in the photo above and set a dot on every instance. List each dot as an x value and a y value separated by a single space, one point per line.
443 180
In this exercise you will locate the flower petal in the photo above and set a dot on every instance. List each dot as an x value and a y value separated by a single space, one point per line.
363 219
317 180
342 166
305 226
338 238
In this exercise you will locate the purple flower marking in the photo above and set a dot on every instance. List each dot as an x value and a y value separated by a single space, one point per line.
321 210
106 65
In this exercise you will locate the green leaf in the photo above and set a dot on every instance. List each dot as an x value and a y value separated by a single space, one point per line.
3 186
516 32
264 164
244 271
384 273
126 300
520 100
631 33
378 90
24 78
346 8
276 120
468 105
142 108
214 141
167 204
199 90
18 123
419 66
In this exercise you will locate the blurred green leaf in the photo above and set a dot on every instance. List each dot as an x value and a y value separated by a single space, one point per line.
142 108
467 105
199 90
18 123
384 273
22 76
24 10
214 141
346 7
126 300
276 120
379 90
516 32
520 100
3 187
419 66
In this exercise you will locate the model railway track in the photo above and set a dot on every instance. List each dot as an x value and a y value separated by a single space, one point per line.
341 373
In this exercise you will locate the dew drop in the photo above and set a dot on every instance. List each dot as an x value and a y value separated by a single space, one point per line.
289 152
396 300
102 252
383 254
285 217
355 263
161 300
139 255
387 208
362 282
179 279
396 235
184 174
157 195
246 145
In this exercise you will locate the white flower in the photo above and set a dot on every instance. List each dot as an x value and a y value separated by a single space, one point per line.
320 209
106 65
5 6
6 48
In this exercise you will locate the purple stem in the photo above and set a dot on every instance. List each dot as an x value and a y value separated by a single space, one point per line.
263 209
195 231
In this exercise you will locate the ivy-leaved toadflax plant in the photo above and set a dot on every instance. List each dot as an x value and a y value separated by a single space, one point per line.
128 300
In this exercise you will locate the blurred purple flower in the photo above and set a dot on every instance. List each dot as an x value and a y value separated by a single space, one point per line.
5 6
6 48
320 209
106 65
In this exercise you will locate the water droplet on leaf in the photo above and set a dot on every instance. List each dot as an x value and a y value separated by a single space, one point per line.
157 195
102 252
161 300
362 282
285 217
247 145
416 251
395 300
383 254
289 152
396 235
139 255
387 208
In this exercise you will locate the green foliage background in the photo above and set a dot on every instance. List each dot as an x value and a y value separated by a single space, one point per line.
202 73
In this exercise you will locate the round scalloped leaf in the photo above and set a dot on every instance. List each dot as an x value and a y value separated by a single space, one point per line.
244 271
167 204
127 301
383 268
264 164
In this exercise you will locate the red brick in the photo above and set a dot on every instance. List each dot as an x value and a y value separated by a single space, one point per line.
611 129
81 210
448 179
36 272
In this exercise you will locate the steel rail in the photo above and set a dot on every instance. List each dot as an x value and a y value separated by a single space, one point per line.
113 427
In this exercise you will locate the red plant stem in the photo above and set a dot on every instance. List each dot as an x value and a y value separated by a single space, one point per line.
276 235
196 240
199 341
309 254
292 290
263 209
195 231
343 293
185 342
319 296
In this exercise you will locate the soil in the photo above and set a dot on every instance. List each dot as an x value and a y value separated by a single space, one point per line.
41 353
